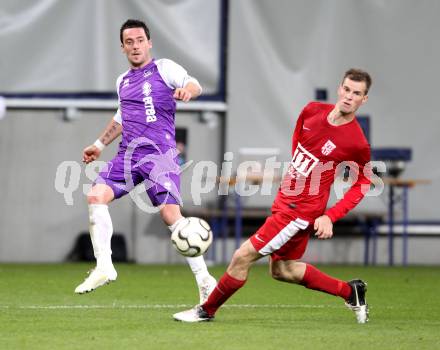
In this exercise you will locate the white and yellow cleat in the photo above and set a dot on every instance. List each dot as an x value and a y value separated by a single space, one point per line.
96 279
196 314
206 287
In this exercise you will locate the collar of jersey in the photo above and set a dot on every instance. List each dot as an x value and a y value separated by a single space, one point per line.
148 66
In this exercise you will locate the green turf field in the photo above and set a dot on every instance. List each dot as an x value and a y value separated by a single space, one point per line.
38 310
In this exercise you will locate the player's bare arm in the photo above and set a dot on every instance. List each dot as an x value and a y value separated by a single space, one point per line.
111 132
188 92
324 227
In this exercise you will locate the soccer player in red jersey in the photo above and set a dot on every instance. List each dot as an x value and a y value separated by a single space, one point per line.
326 138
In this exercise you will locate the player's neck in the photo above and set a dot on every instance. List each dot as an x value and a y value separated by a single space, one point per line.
337 118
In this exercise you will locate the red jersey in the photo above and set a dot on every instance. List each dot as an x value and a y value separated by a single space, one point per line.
319 150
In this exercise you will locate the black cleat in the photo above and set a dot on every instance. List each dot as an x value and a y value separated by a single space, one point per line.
357 301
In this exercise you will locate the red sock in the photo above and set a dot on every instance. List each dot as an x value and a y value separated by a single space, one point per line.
226 286
317 280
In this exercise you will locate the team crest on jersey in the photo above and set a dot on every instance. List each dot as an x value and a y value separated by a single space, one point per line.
328 148
147 73
126 82
302 162
146 89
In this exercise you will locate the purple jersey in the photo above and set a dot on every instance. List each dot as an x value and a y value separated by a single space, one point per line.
146 104
147 151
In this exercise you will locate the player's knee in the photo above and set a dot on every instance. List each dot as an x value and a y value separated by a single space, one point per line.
241 258
95 196
291 273
92 198
278 274
170 213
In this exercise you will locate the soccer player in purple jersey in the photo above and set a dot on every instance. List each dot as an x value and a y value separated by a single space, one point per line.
147 153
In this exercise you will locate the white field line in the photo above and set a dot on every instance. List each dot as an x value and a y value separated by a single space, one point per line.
165 306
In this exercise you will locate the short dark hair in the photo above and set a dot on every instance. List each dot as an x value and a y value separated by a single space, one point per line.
359 75
134 23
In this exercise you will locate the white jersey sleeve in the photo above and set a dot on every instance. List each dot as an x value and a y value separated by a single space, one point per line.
174 75
118 116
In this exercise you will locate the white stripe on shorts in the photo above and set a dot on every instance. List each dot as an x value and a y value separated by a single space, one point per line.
283 236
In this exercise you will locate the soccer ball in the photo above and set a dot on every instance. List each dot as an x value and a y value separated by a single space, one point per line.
192 237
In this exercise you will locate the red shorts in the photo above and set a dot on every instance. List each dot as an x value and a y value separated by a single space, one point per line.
282 237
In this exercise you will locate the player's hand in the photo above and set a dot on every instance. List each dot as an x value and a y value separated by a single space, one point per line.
90 154
324 227
182 94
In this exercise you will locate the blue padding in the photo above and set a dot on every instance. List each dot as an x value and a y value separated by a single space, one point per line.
364 122
390 153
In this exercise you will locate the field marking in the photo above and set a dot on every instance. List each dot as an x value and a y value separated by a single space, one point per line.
165 306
